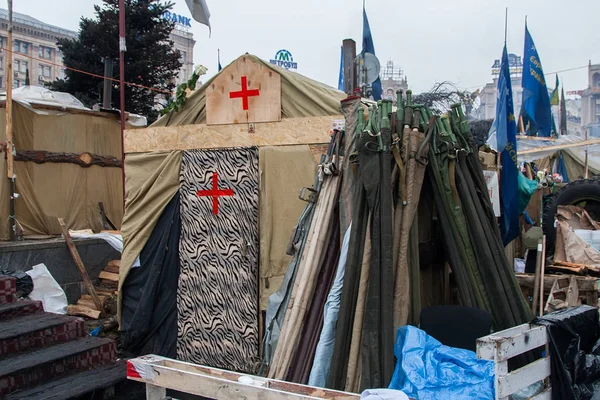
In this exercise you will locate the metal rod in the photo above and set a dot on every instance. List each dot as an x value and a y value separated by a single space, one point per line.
505 24
122 50
9 130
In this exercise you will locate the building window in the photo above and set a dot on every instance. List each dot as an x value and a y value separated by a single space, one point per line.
596 80
21 47
21 66
1 83
45 52
44 70
184 56
18 83
1 63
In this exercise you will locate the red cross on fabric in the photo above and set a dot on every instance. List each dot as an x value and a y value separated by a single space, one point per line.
215 192
244 93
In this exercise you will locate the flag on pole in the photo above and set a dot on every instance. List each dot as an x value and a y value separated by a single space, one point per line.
536 101
563 113
554 97
199 11
341 76
219 59
505 128
368 47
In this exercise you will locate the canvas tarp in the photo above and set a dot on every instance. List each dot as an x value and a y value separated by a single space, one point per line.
280 183
300 97
152 179
51 190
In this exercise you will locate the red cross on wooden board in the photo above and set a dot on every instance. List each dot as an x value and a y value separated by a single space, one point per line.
244 93
215 192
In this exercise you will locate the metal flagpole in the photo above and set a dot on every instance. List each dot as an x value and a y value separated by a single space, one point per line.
122 50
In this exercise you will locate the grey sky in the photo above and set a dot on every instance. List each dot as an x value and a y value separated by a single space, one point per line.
431 40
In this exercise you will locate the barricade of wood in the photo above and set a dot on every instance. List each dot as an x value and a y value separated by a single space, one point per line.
587 287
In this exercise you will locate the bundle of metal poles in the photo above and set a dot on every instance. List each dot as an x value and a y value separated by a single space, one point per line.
389 160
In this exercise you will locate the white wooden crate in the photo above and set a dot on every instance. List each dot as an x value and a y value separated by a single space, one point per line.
502 346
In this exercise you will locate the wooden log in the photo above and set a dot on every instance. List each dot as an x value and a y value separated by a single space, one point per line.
109 284
82 311
82 159
109 276
87 297
75 254
89 304
103 291
112 269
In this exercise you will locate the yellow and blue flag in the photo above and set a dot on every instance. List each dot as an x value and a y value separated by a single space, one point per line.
554 96
536 101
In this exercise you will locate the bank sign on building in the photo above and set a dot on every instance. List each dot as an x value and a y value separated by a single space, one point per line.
283 58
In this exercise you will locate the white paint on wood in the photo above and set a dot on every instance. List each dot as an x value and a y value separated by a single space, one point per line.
523 377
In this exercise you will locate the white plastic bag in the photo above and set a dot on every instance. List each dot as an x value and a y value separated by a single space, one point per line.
47 290
383 394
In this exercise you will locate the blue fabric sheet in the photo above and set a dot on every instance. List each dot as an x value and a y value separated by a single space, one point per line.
324 351
428 370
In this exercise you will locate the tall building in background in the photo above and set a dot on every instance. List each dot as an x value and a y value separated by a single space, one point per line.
590 102
32 38
488 96
35 48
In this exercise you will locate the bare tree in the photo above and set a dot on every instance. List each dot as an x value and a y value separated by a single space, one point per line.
443 95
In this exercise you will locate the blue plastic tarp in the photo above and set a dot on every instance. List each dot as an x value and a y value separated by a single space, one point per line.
428 370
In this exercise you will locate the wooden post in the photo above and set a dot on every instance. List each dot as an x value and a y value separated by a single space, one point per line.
542 270
9 131
75 254
586 163
537 279
350 75
155 392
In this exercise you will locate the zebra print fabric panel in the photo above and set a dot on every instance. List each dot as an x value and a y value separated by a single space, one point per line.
217 300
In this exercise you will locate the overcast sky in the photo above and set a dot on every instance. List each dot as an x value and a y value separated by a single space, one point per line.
431 40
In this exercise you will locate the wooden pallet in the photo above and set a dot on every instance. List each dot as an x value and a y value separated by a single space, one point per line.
504 345
159 373
587 287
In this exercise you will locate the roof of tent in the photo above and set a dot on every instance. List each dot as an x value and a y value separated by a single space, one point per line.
300 97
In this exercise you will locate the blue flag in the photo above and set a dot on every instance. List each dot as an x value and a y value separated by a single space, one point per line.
536 101
219 59
341 77
506 135
368 47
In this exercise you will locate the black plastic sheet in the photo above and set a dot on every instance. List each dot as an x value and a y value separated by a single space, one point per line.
24 282
149 316
574 336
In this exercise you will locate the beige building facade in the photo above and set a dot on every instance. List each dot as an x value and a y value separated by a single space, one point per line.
35 49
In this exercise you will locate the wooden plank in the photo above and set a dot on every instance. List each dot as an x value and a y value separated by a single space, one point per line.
522 343
82 311
8 102
523 377
112 269
218 383
88 304
561 146
87 297
259 88
75 254
109 276
220 388
104 291
290 131
155 392
585 283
